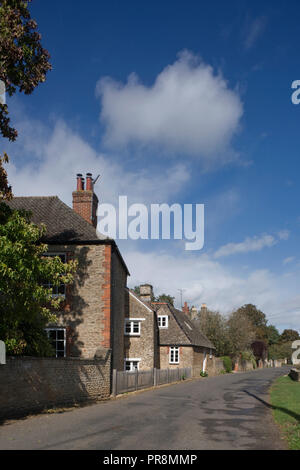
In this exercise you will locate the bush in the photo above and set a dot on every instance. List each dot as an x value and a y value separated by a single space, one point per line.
227 363
249 356
254 363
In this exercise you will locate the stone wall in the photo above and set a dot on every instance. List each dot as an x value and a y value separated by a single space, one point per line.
33 384
214 366
84 311
143 346
94 309
186 356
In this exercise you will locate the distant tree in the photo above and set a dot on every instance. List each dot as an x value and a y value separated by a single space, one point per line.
257 318
136 290
289 335
213 326
272 334
281 351
24 64
165 298
241 332
260 350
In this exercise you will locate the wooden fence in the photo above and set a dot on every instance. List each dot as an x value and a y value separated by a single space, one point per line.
124 381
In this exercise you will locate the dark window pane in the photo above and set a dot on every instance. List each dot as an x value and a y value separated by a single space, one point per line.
60 334
52 334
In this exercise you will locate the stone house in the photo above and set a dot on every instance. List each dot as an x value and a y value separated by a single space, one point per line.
162 336
140 334
91 320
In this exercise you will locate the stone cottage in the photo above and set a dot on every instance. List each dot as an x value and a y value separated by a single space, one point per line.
162 336
140 334
91 320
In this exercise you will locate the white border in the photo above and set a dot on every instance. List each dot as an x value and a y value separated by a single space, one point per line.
173 347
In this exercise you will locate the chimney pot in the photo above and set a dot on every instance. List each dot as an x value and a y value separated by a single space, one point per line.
79 182
89 182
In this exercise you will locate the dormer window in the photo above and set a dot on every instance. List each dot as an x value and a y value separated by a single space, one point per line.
163 321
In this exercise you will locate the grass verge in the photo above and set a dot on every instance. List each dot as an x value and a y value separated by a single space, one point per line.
285 400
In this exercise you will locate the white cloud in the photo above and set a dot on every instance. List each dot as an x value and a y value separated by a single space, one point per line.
284 234
207 280
288 260
188 110
249 244
57 153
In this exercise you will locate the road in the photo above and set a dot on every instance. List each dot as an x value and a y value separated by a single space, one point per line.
226 412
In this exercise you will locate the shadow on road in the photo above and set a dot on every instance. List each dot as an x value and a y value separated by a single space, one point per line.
272 407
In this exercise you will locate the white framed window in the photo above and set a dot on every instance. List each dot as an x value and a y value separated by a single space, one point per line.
174 355
132 327
130 365
57 338
61 289
163 321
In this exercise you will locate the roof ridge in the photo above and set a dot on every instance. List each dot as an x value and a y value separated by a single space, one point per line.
172 309
34 197
138 297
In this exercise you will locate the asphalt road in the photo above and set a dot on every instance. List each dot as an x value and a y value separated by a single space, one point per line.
226 412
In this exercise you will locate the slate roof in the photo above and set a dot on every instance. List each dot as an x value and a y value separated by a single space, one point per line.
63 224
187 333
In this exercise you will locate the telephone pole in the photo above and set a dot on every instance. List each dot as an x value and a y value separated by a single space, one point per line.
181 291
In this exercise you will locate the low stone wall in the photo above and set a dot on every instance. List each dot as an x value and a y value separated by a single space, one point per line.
214 367
295 374
32 384
246 365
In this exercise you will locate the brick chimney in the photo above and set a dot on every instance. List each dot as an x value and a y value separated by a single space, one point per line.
203 309
146 292
186 309
85 201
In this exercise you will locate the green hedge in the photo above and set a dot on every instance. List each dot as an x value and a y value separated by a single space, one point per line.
227 364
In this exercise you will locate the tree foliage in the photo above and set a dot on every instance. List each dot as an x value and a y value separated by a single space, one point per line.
272 335
289 335
26 305
165 298
24 64
257 318
241 333
214 326
281 350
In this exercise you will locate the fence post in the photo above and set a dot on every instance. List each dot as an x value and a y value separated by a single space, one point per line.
154 377
136 379
167 375
114 382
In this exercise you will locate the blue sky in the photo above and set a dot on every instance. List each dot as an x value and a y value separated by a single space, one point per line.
177 101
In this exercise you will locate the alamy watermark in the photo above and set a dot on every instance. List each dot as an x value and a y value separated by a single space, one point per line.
160 221
295 358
